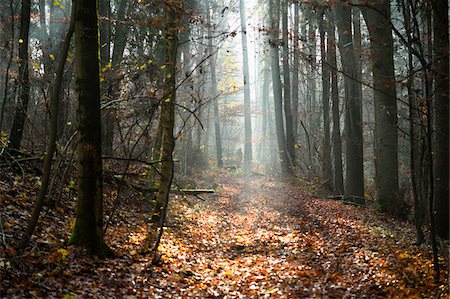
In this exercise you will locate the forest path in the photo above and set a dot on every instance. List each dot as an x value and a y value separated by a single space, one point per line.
255 238
261 238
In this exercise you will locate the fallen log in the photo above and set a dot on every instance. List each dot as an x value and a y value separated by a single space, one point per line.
354 200
193 191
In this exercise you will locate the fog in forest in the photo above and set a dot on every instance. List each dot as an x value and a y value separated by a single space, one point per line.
185 132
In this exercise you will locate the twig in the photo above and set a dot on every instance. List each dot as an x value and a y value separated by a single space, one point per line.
3 232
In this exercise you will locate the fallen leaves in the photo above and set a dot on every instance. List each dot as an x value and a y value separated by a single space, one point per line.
257 238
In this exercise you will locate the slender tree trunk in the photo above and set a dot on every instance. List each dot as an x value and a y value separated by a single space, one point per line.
295 65
247 100
104 10
45 42
88 229
214 93
264 110
274 17
313 120
337 141
413 137
441 117
120 41
168 124
10 44
287 84
51 145
24 79
354 175
326 162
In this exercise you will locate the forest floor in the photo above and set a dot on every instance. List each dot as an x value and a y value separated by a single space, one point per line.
255 237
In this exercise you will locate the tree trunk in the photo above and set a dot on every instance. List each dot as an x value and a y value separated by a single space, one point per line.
441 118
8 44
214 93
51 145
104 10
354 176
24 80
287 84
247 114
295 65
88 229
337 141
167 123
414 140
326 162
385 103
274 17
264 111
120 41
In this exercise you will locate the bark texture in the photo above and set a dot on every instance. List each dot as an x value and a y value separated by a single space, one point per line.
377 18
88 229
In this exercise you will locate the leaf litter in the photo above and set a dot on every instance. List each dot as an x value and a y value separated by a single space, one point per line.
255 238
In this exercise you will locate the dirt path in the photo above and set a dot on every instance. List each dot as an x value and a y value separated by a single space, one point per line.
255 238
264 239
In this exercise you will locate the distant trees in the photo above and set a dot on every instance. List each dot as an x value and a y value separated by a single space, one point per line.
20 114
248 149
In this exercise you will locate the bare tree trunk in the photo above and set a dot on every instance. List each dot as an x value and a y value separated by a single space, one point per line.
354 176
413 137
295 70
337 141
51 145
287 84
10 44
88 229
24 79
168 140
247 114
326 162
441 118
214 93
386 141
274 17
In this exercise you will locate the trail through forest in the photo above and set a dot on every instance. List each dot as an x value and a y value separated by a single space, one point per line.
255 238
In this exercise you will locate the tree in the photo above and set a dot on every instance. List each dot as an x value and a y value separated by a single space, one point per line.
88 229
51 144
24 79
441 118
377 17
295 65
354 175
167 118
274 17
337 141
120 41
326 162
8 45
214 93
290 141
245 69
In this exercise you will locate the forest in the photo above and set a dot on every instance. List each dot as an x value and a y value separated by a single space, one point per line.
224 149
